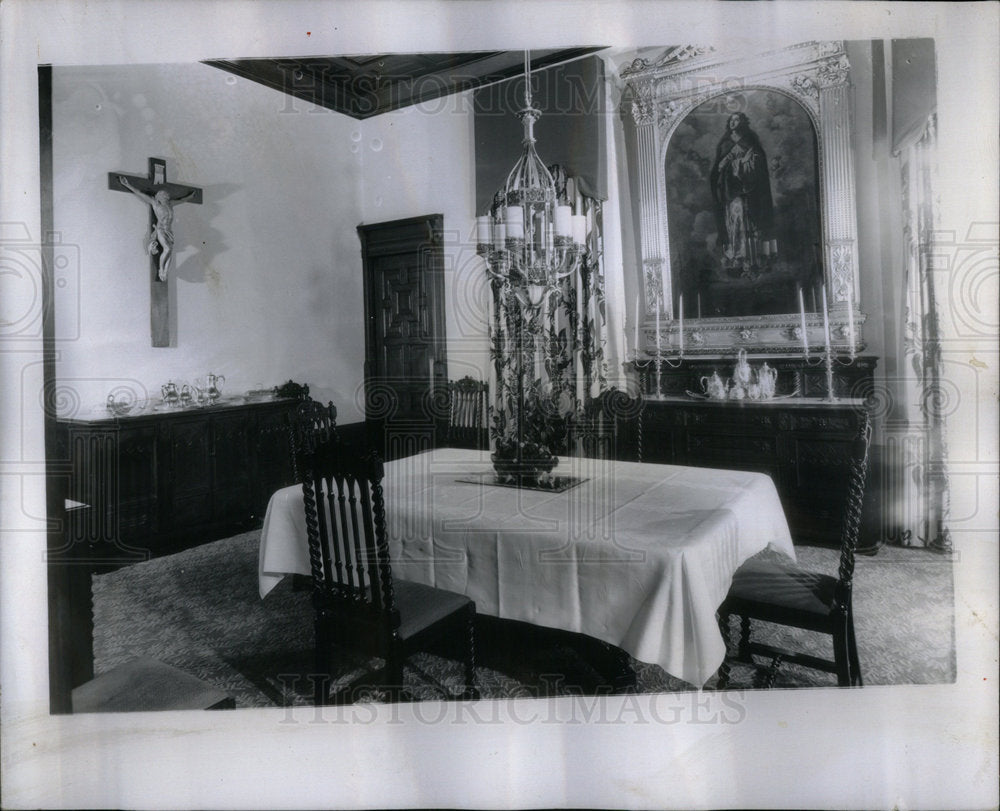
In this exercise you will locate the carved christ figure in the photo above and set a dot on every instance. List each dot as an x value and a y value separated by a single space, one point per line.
161 238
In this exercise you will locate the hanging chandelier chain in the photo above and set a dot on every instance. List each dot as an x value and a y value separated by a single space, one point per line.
527 79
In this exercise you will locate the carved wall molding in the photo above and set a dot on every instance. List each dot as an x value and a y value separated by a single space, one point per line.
674 55
659 92
642 105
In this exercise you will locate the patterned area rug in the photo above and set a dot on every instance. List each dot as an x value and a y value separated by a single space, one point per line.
200 611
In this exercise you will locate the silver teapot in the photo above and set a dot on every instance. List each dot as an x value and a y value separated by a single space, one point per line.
213 386
169 393
714 387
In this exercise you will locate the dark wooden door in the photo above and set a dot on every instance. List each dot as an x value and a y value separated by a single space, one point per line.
405 340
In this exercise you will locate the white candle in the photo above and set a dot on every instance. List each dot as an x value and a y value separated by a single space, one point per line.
430 365
636 326
482 230
579 227
499 235
680 306
514 218
657 330
826 321
802 315
850 318
699 305
564 226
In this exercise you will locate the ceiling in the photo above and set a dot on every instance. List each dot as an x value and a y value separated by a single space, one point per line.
365 86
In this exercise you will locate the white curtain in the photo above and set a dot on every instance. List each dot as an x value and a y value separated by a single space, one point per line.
915 441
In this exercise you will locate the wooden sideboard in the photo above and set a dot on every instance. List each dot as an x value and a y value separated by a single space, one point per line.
852 378
163 481
804 444
801 438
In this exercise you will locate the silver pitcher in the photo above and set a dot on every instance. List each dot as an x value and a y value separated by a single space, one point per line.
169 393
213 386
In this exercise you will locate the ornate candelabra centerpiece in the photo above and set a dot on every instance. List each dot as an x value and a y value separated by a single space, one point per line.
530 242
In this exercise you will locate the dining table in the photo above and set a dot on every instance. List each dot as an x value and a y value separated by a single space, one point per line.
636 555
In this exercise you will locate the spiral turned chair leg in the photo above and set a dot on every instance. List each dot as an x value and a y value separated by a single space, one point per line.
471 692
722 682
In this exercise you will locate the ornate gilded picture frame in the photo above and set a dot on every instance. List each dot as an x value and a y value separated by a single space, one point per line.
744 174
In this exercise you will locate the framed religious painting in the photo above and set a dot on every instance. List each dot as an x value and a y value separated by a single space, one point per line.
747 228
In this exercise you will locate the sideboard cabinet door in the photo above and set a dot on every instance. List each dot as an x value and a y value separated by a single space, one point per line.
138 484
273 452
188 472
232 468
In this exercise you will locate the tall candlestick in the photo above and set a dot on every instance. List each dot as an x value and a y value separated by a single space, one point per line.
636 326
657 330
699 305
680 306
826 322
802 316
850 318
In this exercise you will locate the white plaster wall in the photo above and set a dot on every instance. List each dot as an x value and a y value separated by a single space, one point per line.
267 275
420 160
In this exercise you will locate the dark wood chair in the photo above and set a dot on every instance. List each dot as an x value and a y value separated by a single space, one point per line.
780 591
357 601
310 424
598 433
468 414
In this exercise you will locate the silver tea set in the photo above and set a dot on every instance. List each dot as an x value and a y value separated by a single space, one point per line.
201 392
746 383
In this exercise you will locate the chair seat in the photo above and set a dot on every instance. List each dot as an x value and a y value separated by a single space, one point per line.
782 585
145 685
421 606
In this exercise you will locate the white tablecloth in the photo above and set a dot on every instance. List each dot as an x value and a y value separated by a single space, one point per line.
638 555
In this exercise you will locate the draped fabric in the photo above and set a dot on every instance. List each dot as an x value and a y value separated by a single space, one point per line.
548 358
916 441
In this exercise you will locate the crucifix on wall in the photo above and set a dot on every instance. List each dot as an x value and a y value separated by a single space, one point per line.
160 196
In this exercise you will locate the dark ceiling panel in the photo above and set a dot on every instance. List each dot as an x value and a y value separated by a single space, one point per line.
362 86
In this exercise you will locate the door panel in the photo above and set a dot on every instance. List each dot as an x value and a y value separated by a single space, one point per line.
405 341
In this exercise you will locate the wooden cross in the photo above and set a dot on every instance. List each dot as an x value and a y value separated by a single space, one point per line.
160 241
